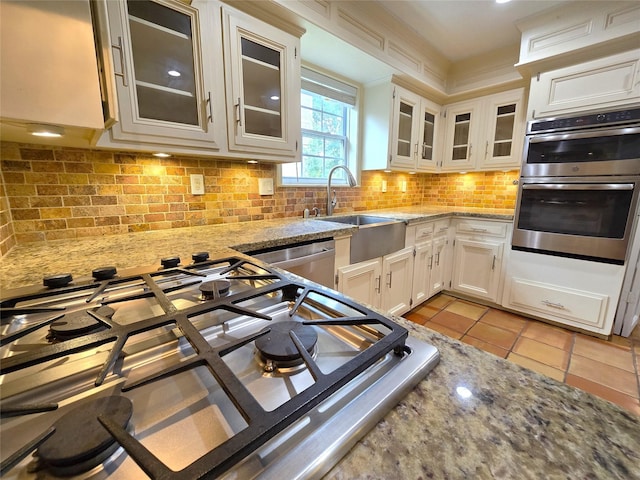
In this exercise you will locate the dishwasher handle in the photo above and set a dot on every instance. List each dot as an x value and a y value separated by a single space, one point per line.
296 262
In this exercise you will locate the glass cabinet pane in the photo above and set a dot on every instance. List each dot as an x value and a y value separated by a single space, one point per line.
461 136
427 138
163 62
405 122
505 120
261 77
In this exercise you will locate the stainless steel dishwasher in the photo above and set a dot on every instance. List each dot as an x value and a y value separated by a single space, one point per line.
313 260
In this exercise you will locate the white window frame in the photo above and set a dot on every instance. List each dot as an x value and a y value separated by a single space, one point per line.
334 87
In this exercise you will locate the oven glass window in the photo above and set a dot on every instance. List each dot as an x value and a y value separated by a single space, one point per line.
591 149
585 212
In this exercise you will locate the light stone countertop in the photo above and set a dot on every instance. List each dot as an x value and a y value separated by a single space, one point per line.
27 264
516 424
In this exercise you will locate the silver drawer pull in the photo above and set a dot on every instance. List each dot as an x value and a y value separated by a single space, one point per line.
559 306
477 229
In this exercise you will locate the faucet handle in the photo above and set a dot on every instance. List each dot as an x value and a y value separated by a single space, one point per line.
316 211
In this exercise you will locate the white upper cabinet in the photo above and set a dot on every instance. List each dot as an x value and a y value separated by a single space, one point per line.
165 55
598 84
199 78
401 129
49 71
263 78
485 133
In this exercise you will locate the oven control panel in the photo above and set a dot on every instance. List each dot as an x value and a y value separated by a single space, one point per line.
618 117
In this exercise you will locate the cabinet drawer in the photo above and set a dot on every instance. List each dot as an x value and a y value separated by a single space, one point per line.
441 227
581 308
424 232
482 228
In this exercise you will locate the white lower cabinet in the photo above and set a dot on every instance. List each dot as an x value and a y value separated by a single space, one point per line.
573 292
430 266
478 258
361 281
383 282
476 267
397 275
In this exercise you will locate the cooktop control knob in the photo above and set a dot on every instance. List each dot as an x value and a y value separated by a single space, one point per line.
104 273
170 262
57 281
200 257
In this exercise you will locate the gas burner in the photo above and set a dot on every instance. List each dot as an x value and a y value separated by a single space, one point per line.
57 281
80 443
277 350
214 289
77 324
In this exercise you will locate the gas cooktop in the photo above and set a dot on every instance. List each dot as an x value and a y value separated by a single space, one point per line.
225 368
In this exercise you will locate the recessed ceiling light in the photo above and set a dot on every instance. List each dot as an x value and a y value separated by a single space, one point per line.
252 161
41 130
274 97
161 154
174 73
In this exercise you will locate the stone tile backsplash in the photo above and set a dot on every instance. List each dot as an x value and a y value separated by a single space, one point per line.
50 193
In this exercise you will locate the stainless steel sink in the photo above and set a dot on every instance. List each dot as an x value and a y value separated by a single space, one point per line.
359 220
375 237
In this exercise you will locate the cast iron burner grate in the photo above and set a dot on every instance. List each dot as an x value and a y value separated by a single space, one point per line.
263 425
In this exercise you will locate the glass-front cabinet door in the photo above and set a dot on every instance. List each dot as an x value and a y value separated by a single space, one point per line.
405 126
506 123
461 147
263 72
428 133
164 86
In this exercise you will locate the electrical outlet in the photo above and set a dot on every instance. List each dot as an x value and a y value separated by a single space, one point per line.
197 184
265 186
384 186
403 186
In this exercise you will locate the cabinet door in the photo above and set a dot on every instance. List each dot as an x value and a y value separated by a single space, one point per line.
438 266
162 83
476 267
505 131
263 72
462 123
422 267
599 84
405 126
428 132
397 274
361 281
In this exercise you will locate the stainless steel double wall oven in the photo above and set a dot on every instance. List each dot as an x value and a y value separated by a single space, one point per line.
579 186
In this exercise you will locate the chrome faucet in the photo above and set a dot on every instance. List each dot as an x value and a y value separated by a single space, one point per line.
332 202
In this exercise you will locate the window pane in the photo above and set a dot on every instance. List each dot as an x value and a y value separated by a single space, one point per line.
324 123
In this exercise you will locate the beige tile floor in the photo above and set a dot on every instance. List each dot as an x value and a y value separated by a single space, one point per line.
609 369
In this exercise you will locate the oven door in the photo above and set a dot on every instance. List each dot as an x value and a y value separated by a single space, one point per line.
590 218
608 151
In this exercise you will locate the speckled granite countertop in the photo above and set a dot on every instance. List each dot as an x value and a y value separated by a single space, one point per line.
27 264
516 424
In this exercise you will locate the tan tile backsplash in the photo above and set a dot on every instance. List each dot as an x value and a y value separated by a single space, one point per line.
50 193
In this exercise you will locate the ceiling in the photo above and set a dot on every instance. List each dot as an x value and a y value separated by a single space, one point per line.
461 29
458 29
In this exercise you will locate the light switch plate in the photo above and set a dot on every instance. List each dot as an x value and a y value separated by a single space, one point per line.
265 186
197 184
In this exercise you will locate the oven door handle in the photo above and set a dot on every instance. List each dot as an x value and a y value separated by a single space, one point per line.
578 186
540 137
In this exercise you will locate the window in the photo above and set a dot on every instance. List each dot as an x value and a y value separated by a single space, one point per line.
329 130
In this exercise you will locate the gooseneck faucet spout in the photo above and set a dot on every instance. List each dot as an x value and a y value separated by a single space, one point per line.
332 202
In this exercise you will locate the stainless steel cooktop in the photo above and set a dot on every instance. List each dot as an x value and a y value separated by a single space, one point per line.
224 368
